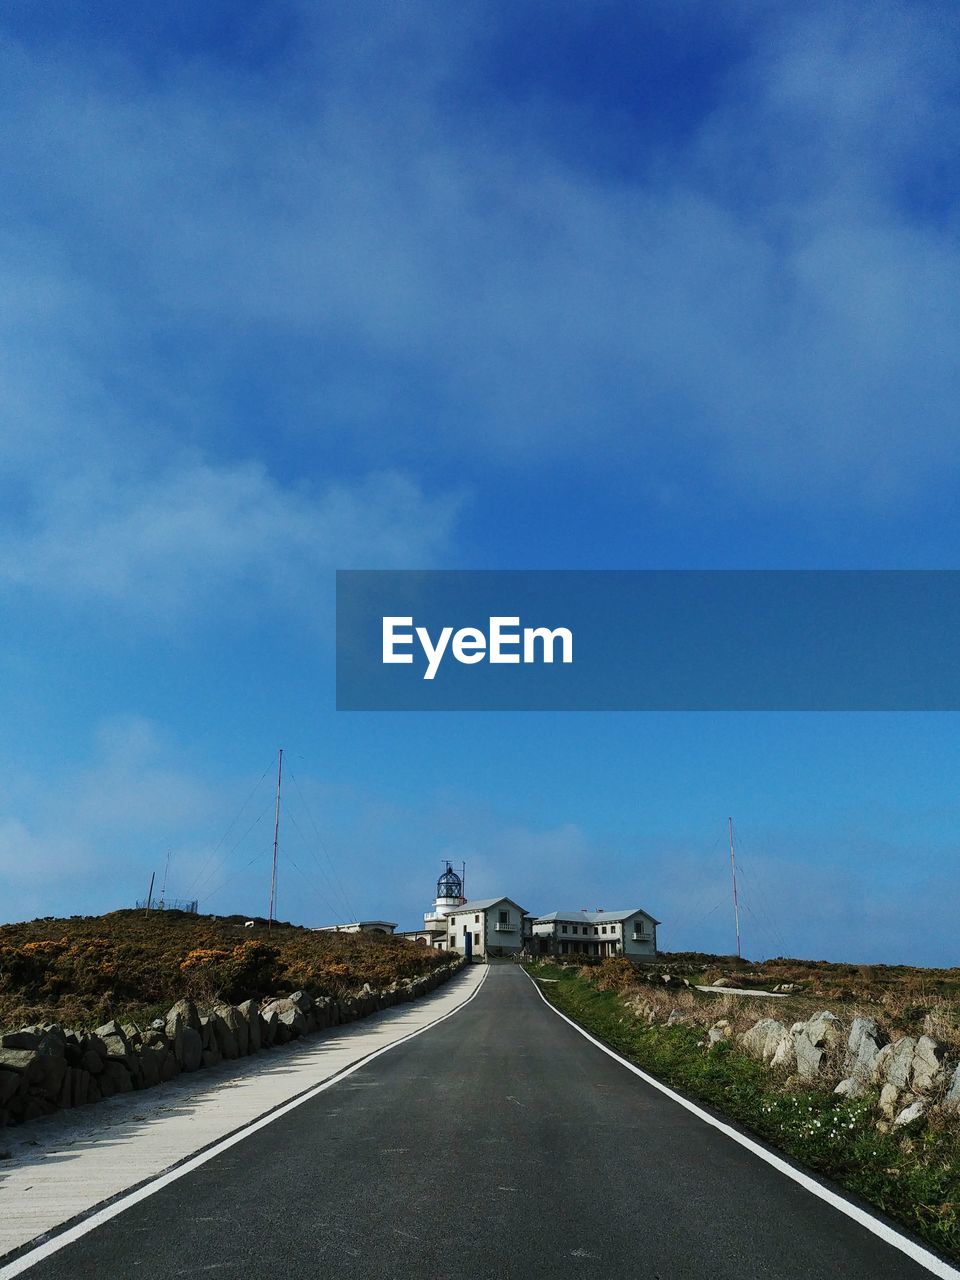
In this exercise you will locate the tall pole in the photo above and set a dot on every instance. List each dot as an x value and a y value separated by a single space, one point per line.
150 891
276 838
733 872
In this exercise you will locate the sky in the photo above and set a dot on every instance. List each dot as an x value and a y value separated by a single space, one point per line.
293 287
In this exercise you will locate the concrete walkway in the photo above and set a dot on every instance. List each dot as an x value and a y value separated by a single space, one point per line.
742 991
60 1168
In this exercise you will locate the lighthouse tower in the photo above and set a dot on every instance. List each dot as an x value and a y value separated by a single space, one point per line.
449 897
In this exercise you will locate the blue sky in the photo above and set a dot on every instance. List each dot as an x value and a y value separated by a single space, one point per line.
295 287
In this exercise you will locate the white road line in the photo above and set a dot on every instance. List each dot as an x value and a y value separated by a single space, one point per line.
923 1257
97 1217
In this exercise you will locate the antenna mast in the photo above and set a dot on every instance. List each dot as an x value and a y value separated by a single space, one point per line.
276 837
733 872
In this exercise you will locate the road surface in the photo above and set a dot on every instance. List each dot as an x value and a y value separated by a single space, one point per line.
499 1143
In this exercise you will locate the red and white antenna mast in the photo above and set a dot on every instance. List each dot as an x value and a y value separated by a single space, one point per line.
733 872
276 838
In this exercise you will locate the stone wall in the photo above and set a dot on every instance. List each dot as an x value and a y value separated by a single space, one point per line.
46 1068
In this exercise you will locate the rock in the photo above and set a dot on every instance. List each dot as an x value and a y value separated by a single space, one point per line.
251 1016
188 1048
952 1100
52 1072
675 1016
186 1012
887 1105
151 1060
20 1040
913 1112
824 1030
894 1063
118 1076
927 1068
229 1028
9 1084
17 1059
294 1021
170 1067
844 1088
211 1057
809 1057
719 982
766 1040
719 1033
114 1040
863 1045
268 1027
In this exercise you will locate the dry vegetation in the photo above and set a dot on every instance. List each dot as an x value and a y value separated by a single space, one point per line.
904 999
131 964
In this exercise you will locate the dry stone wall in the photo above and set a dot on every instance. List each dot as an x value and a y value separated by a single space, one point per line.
46 1068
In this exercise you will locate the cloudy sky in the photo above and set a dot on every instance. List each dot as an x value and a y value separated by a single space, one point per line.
286 288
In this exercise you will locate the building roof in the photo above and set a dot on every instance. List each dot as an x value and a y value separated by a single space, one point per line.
352 924
483 904
593 917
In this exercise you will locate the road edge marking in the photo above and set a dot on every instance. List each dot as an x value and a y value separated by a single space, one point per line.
97 1216
917 1252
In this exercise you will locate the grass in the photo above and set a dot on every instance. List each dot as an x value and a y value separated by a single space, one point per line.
132 965
913 1175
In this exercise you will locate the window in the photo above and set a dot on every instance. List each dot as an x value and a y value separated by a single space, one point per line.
603 928
476 919
563 928
476 939
595 929
504 917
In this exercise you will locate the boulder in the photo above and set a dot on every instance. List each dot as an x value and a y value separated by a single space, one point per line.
863 1045
294 1021
952 1100
766 1040
186 1012
119 1077
889 1096
251 1016
719 1033
20 1040
910 1113
9 1084
188 1048
211 1057
151 1060
894 1063
231 1031
926 1072
169 1066
268 1027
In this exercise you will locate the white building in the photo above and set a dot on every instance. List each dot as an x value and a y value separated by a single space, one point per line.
596 933
358 926
486 927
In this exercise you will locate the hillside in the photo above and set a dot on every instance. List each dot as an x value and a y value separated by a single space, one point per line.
130 964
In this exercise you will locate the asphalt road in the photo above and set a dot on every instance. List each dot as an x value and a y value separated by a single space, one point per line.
499 1143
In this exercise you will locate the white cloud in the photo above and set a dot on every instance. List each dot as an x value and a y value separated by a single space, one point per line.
190 538
767 292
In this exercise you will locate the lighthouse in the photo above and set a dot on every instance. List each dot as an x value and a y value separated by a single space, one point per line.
449 897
